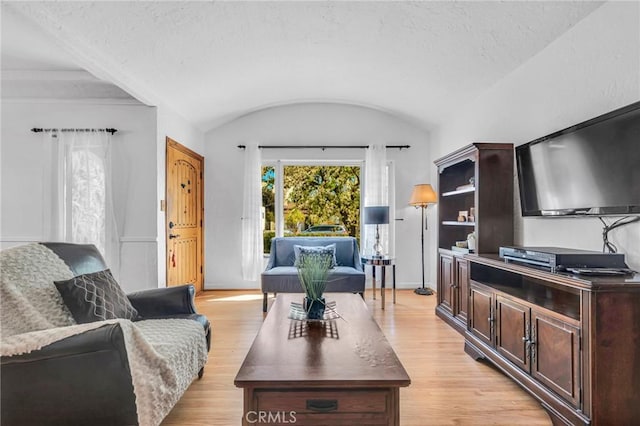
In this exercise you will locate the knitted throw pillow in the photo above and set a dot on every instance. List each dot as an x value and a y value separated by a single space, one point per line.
328 250
95 297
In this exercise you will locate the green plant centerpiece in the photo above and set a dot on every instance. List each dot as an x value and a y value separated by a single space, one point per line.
313 271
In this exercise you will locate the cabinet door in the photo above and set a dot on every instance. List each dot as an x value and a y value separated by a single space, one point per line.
481 318
461 290
445 282
555 355
512 331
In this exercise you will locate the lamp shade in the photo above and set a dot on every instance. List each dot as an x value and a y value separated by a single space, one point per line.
422 195
376 215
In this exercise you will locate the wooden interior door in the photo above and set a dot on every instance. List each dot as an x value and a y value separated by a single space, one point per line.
184 216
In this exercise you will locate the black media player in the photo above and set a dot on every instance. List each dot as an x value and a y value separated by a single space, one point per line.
559 259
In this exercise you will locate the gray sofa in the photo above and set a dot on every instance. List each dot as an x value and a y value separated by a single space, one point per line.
281 276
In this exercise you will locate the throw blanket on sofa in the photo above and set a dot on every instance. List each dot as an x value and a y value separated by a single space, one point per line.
33 315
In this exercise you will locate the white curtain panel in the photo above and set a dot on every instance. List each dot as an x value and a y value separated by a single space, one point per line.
53 188
81 204
376 193
391 200
252 243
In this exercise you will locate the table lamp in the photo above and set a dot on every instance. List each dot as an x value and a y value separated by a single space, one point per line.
376 215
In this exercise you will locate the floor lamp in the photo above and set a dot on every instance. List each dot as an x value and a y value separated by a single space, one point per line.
423 195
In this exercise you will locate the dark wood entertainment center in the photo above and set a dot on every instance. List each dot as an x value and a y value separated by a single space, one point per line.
572 342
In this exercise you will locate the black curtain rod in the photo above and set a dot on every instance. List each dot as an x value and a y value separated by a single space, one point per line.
40 129
323 147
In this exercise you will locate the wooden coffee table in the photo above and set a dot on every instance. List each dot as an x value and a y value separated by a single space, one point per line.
338 372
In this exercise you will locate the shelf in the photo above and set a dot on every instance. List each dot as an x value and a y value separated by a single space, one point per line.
455 223
459 191
478 178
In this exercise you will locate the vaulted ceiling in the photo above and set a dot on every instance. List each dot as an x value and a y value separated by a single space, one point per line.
214 61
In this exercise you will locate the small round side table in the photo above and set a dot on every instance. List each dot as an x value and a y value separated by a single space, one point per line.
382 262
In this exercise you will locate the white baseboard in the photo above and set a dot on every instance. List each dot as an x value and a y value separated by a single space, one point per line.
251 285
31 239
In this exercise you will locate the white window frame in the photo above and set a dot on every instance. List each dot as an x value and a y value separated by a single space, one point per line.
279 165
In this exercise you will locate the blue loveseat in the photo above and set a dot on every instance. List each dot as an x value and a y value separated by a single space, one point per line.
281 276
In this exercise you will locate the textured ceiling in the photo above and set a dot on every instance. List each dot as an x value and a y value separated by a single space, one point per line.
213 61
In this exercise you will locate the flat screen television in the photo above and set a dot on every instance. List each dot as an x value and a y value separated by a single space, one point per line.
590 169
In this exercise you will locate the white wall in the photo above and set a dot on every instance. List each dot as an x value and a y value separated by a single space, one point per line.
592 69
307 124
134 163
139 151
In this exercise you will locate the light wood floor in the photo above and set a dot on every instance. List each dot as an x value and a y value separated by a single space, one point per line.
447 386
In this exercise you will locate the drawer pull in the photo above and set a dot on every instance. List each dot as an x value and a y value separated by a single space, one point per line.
322 405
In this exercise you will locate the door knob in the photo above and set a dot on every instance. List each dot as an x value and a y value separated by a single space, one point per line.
172 236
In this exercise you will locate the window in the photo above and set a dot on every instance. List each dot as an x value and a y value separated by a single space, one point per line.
79 207
268 205
311 200
86 200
